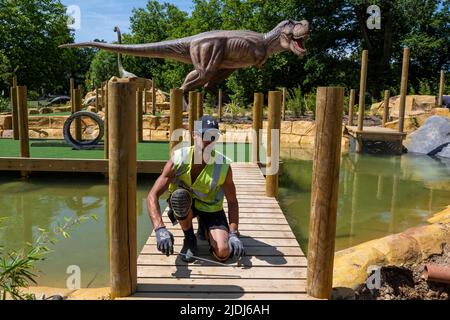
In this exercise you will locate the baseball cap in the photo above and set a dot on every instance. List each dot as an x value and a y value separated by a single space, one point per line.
207 123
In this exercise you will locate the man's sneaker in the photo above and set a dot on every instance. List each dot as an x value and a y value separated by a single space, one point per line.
189 249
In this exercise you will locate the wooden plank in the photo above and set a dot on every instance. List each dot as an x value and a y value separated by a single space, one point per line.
255 242
245 227
258 234
203 249
220 296
220 285
255 221
248 261
214 272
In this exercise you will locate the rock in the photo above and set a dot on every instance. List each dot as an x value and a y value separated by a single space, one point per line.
160 135
7 134
286 127
150 122
444 112
414 105
57 122
38 122
33 111
410 125
46 110
92 109
90 294
6 122
445 153
431 239
434 133
441 217
303 128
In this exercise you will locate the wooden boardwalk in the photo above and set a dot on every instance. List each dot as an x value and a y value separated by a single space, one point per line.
274 268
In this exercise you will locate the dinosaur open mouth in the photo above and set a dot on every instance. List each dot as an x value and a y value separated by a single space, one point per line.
299 43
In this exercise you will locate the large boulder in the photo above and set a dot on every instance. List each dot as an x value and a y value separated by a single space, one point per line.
414 105
434 133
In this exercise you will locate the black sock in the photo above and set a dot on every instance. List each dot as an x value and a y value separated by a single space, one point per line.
189 233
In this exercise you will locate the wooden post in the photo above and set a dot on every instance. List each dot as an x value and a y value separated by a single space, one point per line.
122 187
199 105
283 107
325 187
351 106
96 100
139 115
257 120
145 98
15 114
441 89
220 104
77 108
22 115
387 96
403 89
362 90
106 123
154 104
72 87
192 113
275 101
14 81
176 116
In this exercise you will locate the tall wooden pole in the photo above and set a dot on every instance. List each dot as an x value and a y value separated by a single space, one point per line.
145 98
77 108
387 96
122 187
283 108
273 132
403 89
220 104
15 114
441 89
14 81
199 105
22 110
362 90
106 123
139 115
257 120
154 104
351 106
96 100
176 116
325 187
72 87
192 113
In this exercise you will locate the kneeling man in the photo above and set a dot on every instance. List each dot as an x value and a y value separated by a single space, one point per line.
198 178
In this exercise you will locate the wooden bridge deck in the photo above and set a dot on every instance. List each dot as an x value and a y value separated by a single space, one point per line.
274 268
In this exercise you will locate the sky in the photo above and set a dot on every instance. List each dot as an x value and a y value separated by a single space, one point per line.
98 17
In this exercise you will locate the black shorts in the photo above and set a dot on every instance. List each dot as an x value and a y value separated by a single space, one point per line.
212 220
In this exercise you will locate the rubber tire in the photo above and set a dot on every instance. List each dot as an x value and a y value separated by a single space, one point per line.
80 144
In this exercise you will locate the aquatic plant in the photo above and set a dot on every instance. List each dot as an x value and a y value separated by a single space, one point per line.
18 268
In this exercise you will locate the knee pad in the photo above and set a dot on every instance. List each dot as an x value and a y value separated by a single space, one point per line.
180 202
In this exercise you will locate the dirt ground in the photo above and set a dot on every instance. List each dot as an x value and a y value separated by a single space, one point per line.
407 283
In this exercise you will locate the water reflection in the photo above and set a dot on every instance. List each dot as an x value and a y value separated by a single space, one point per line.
377 195
42 202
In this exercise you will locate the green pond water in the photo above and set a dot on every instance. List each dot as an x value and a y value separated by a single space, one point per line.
378 196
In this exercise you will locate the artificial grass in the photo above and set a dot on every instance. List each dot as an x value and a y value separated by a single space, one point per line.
59 114
145 151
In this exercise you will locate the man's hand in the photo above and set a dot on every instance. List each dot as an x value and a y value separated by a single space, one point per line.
164 241
236 246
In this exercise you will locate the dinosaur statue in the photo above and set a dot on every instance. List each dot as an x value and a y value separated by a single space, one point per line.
123 73
217 54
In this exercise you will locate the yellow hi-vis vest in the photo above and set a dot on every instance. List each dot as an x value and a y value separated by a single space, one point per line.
207 190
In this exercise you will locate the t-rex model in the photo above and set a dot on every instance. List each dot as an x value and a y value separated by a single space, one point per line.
217 54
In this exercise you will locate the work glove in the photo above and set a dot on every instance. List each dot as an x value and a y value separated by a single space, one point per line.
235 245
164 241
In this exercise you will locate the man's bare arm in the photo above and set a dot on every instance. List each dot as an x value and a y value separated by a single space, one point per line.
160 186
233 207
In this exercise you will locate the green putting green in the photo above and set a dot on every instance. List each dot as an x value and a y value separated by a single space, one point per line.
240 152
50 114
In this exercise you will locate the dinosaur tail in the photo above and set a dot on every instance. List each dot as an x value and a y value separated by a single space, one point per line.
166 49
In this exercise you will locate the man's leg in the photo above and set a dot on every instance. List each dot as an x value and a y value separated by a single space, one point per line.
218 240
190 241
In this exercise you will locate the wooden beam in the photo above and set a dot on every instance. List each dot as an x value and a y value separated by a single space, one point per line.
403 90
72 87
257 120
220 105
351 106
154 104
176 117
77 107
15 114
106 122
199 105
325 187
22 107
122 187
192 113
441 89
139 115
273 133
362 89
387 96
283 107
